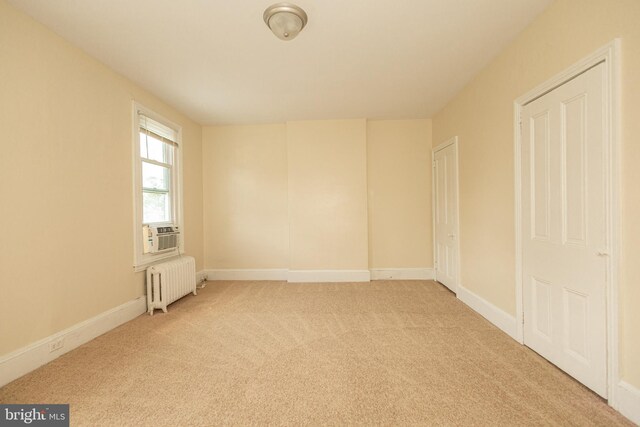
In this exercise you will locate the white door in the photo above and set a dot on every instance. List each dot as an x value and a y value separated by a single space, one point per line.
564 234
445 185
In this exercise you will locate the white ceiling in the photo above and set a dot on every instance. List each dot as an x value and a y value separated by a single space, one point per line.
218 62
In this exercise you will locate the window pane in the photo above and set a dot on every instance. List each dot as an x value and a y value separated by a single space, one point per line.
154 149
154 176
155 207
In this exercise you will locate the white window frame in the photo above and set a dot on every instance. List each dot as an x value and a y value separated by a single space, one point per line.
141 260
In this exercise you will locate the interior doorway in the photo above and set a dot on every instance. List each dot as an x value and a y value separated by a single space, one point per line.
445 214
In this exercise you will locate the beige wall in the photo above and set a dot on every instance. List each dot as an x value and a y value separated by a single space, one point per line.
327 194
399 178
310 183
482 116
66 183
245 197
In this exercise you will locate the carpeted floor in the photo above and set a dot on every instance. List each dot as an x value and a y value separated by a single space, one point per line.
392 353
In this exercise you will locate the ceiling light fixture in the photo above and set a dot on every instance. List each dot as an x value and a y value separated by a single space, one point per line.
285 20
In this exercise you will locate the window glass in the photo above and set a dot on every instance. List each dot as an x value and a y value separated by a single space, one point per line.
155 177
153 149
156 207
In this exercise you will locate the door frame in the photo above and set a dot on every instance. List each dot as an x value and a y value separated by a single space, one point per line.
452 141
610 56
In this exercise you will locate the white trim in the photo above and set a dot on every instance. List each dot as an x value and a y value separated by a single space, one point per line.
517 166
628 401
451 141
161 257
24 360
445 144
247 274
402 273
142 261
296 276
433 212
157 259
320 276
500 318
315 276
610 54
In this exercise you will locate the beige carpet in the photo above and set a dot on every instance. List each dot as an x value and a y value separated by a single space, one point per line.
392 353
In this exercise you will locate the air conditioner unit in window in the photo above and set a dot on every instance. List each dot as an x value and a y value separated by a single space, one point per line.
163 238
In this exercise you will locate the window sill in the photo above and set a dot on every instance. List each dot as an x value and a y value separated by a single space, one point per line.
148 260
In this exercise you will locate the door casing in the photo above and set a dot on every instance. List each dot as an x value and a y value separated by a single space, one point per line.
609 55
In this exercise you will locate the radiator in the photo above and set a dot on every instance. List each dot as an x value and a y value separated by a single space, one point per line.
170 281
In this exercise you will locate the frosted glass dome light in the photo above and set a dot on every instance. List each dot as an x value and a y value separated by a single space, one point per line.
285 20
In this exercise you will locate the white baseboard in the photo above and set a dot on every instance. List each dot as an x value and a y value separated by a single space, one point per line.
298 276
628 401
290 275
24 360
402 274
503 320
315 276
267 274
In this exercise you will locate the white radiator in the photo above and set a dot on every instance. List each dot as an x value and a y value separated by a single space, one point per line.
170 281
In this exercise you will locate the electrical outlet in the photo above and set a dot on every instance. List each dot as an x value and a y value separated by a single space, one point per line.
56 345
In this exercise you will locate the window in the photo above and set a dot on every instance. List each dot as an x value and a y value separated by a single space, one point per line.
156 154
157 181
